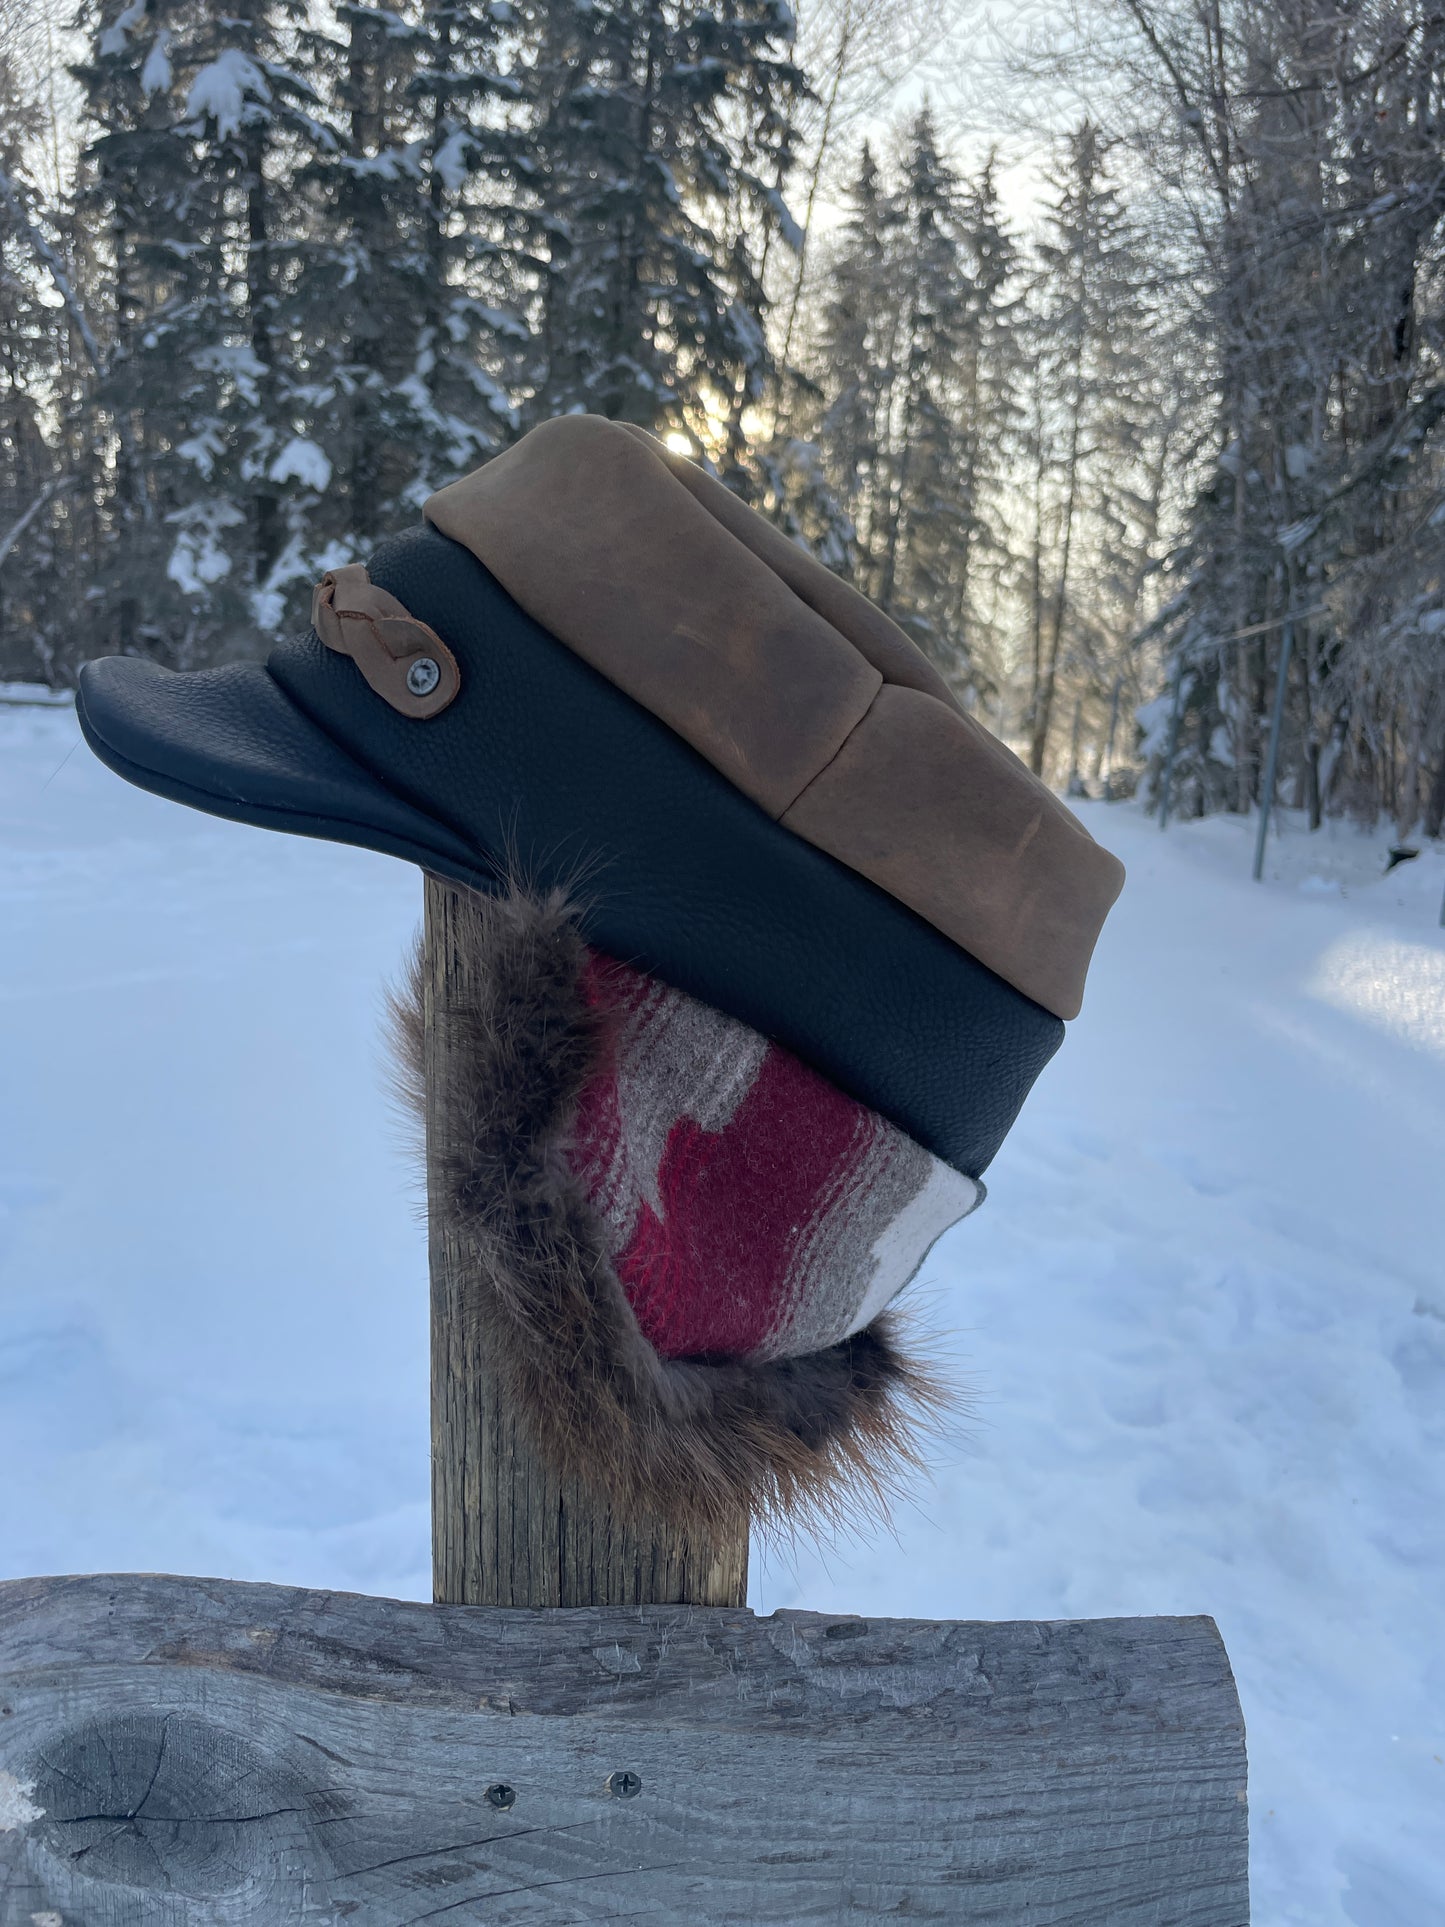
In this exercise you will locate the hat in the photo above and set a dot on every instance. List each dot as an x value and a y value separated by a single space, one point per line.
777 803
816 904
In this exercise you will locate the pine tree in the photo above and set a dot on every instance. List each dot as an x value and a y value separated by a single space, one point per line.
472 341
32 373
191 187
794 489
250 118
152 266
917 367
1084 421
990 378
652 119
360 280
933 512
856 361
402 299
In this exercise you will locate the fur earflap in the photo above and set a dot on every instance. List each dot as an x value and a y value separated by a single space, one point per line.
802 1440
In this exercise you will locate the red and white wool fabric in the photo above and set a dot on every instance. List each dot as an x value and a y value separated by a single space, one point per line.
755 1211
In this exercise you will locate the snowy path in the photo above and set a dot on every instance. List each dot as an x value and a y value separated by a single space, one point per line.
1203 1310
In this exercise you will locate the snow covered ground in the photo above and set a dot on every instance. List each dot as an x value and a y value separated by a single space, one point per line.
1202 1313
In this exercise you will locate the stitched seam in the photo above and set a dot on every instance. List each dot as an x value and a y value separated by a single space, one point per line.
650 443
823 768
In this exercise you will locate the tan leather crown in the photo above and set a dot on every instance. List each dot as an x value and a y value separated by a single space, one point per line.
793 685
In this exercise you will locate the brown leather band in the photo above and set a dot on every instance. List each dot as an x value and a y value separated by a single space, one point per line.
388 645
802 694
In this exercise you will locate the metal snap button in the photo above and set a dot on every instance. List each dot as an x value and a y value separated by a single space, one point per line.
423 676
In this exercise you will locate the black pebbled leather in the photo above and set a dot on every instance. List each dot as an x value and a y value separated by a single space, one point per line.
231 741
543 764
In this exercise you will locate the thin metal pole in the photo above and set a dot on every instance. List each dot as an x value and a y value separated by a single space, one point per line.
1266 801
1167 783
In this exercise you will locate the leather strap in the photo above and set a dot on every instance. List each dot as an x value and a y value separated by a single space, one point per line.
405 662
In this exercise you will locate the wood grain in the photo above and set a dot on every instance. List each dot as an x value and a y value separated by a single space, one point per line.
506 1530
186 1751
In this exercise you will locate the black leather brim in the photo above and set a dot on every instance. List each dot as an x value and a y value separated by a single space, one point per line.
231 742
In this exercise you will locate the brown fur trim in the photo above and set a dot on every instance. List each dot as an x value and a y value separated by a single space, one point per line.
802 1440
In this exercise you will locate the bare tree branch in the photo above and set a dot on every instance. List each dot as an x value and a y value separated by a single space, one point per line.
54 266
58 486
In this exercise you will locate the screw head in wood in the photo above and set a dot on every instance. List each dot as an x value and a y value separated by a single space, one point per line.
501 1796
423 676
624 1785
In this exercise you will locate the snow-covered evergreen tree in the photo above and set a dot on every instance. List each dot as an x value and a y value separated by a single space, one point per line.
188 205
916 360
855 358
654 120
252 119
152 231
990 377
1293 159
792 486
359 291
1087 400
33 383
472 339
402 302
922 565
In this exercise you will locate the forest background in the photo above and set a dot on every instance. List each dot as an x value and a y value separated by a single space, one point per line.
1101 346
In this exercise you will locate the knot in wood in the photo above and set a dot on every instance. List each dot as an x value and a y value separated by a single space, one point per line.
169 1801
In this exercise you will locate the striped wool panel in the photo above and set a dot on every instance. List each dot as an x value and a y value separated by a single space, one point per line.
755 1211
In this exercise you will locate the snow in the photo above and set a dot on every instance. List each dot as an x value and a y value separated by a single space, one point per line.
112 40
155 76
222 88
1154 719
403 162
301 460
203 448
452 159
1201 1316
32 692
199 558
1397 985
235 361
788 226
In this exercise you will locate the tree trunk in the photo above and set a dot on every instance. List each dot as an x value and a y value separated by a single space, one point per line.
258 301
1044 703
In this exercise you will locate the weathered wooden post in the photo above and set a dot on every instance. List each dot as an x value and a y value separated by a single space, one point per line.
506 1530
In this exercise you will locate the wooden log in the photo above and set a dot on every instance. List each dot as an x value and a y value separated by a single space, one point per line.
506 1530
180 1751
